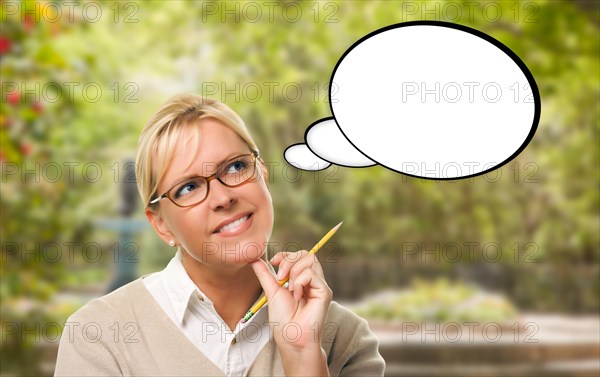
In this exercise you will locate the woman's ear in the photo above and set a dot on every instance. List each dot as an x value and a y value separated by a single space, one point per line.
158 223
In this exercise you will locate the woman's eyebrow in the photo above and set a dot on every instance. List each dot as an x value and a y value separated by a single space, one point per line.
230 156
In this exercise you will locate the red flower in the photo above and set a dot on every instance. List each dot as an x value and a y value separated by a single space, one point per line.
25 149
13 98
37 107
5 45
28 22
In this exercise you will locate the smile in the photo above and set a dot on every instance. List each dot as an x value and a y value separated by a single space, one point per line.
235 227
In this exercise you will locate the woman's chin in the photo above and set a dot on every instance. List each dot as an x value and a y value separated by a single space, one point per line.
243 253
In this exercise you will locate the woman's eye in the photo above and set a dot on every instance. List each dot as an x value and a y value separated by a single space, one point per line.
236 167
186 189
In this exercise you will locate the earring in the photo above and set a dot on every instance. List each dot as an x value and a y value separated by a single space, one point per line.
172 243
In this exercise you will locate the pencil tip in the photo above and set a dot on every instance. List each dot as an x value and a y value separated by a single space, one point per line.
338 225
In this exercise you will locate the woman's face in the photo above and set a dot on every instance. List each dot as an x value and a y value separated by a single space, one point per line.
203 230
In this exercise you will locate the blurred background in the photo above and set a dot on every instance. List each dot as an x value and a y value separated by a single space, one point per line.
495 275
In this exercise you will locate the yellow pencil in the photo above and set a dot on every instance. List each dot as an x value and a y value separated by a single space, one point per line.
259 304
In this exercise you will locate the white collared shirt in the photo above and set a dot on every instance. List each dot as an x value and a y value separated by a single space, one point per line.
193 312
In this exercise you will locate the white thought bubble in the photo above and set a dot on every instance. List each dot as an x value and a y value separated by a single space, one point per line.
299 156
325 140
428 99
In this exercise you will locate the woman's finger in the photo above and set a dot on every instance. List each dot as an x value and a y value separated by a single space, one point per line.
287 261
309 279
265 277
278 257
308 261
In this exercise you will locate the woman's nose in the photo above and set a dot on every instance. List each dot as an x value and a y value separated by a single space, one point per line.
220 196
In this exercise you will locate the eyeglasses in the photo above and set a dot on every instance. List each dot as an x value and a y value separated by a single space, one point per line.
193 191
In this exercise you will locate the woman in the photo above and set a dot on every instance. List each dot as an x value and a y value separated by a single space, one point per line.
206 194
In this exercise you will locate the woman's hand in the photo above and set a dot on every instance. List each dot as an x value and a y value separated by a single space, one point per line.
297 313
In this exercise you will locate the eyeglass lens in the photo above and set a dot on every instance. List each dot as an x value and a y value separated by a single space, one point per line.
233 173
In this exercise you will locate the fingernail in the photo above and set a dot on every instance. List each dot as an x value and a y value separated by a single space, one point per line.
279 274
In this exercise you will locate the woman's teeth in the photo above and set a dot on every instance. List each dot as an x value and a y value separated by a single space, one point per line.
234 225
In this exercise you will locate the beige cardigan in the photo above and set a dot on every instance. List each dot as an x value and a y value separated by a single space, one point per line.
126 333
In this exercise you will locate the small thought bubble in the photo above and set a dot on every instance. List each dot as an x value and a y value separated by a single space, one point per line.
299 156
427 99
325 140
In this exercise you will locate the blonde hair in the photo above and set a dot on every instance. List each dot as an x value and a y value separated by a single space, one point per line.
158 140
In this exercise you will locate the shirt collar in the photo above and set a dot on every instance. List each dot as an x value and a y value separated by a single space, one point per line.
180 288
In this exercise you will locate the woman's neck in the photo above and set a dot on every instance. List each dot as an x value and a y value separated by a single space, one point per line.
232 290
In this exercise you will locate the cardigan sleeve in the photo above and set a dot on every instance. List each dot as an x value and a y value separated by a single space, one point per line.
364 359
87 346
355 348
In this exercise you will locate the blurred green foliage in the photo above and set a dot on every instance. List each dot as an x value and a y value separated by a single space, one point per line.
137 54
438 301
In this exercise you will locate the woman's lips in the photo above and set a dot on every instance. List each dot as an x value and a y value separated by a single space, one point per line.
235 227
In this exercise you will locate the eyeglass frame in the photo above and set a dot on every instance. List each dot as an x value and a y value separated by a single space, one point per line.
255 158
